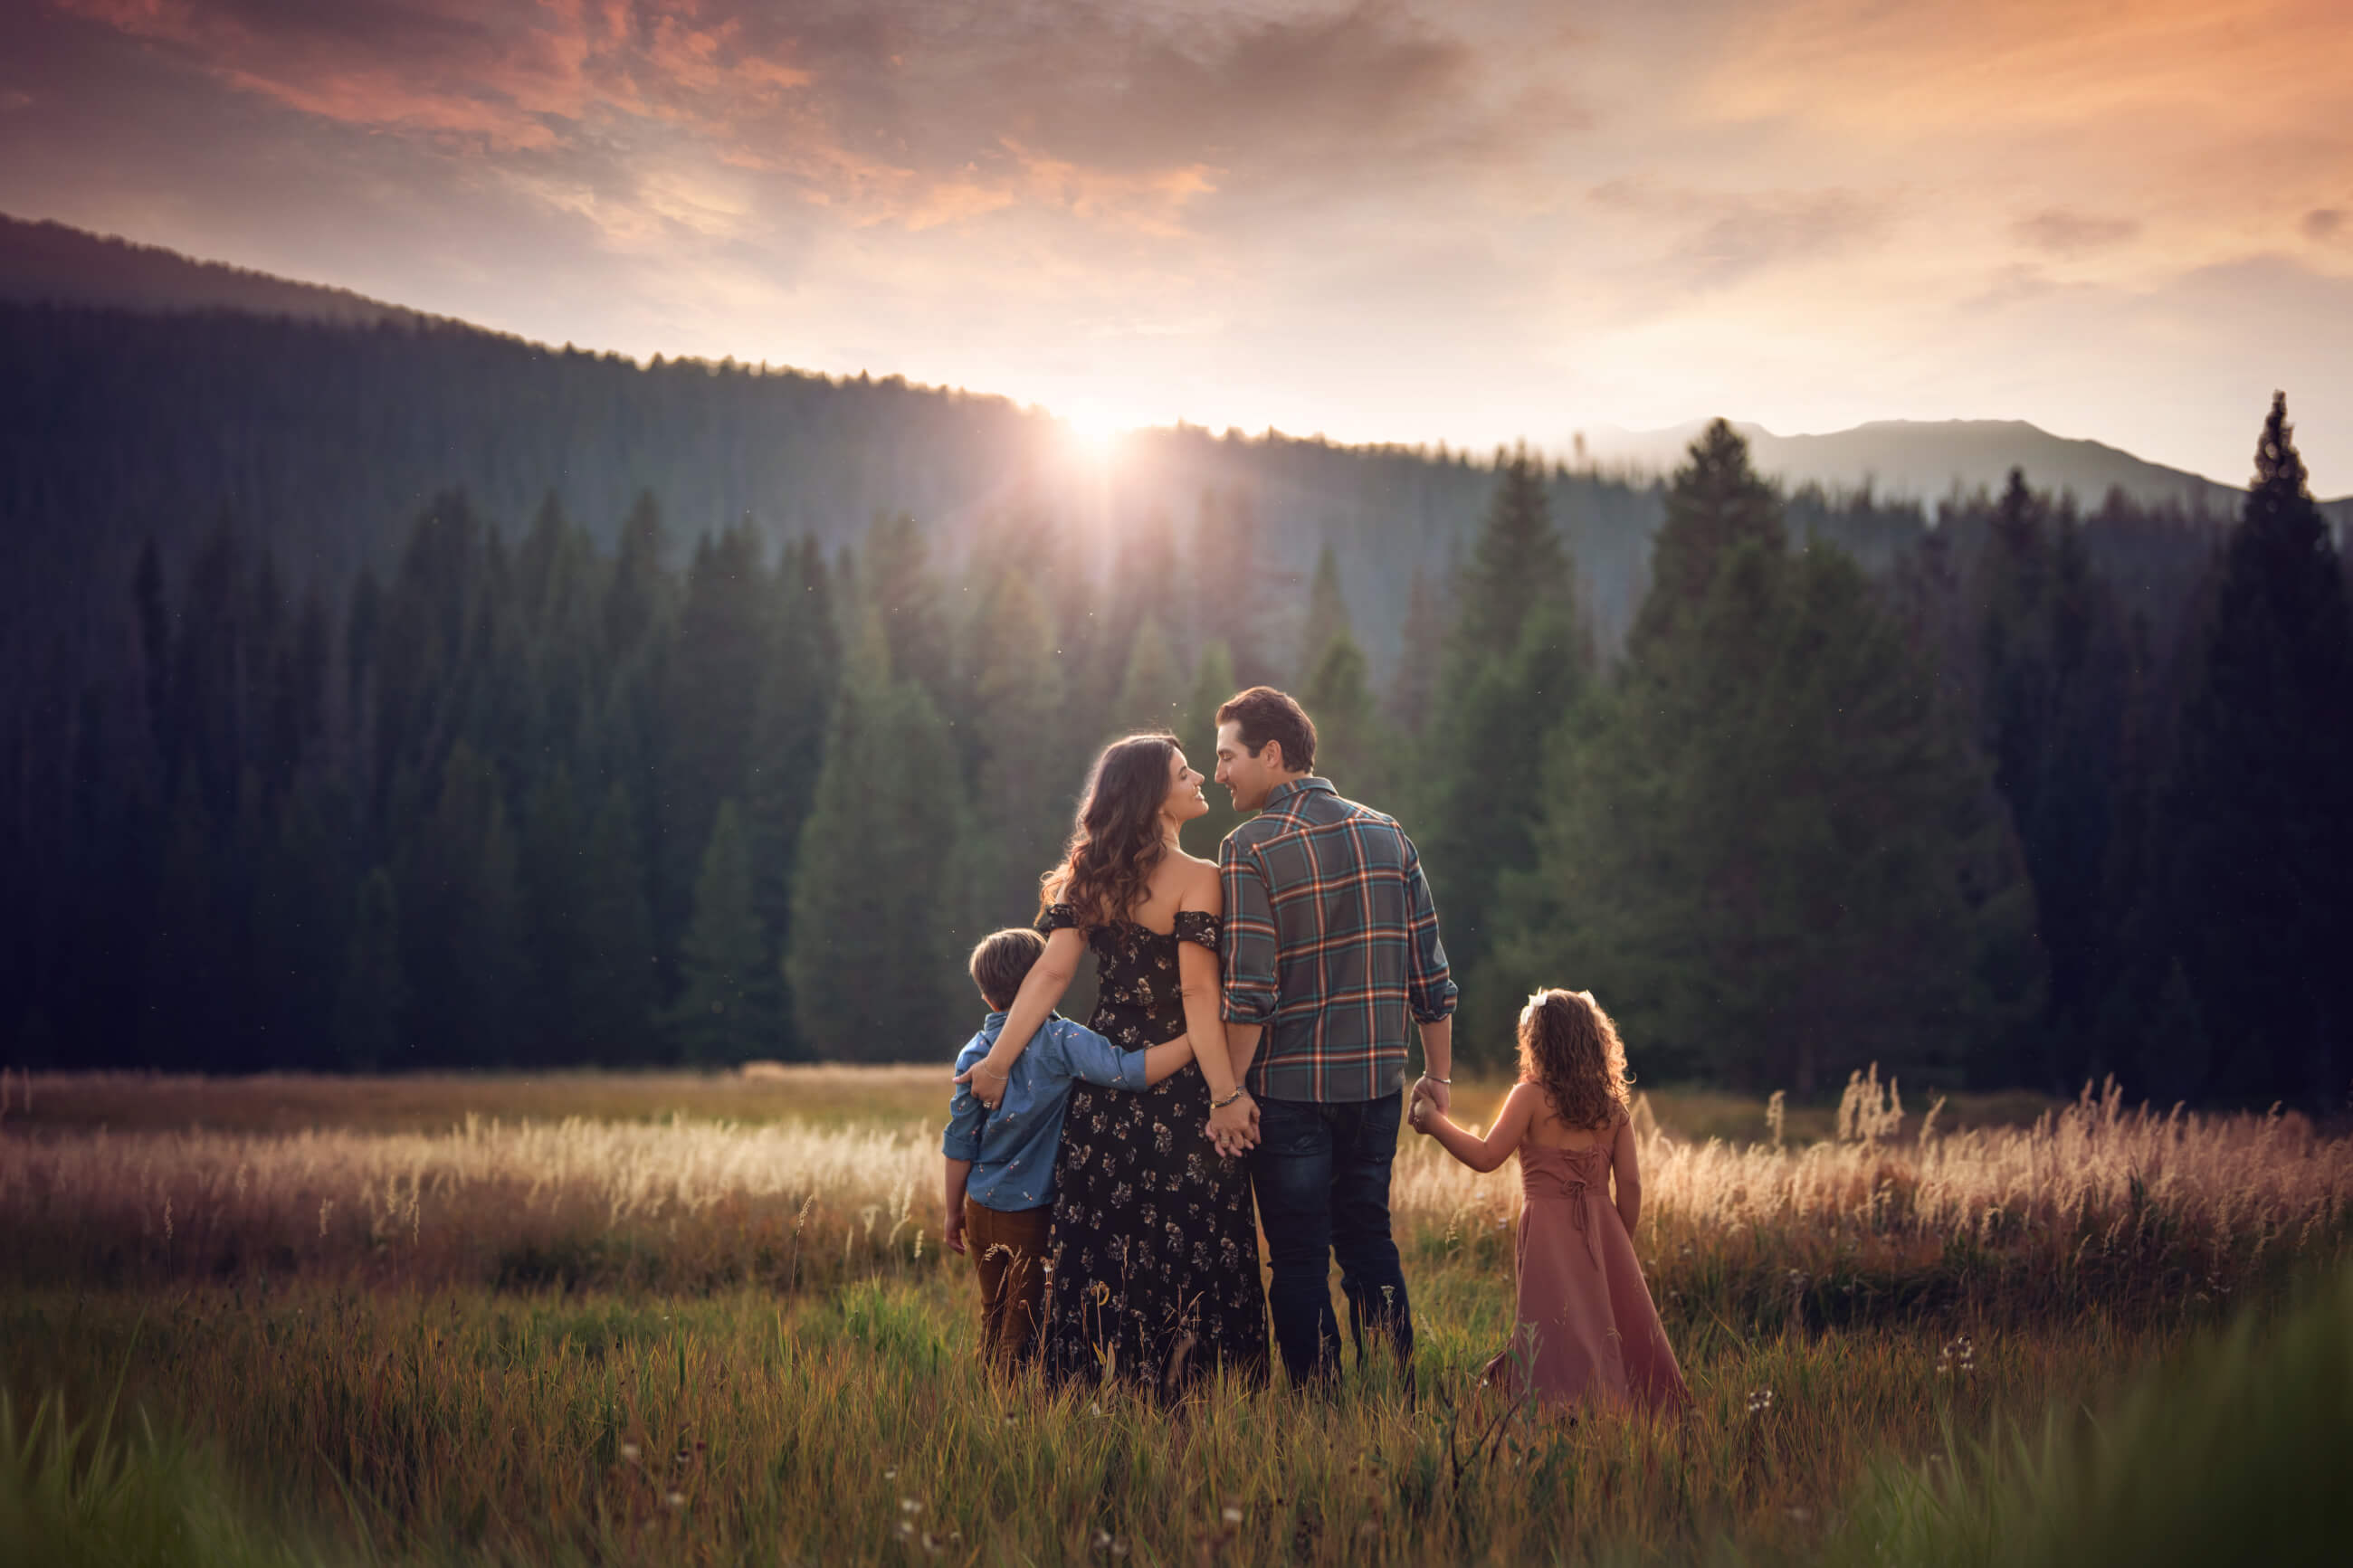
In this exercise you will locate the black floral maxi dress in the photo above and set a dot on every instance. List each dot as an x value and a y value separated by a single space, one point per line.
1151 1271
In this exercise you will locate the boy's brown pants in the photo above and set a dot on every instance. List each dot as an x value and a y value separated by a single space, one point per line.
1008 1252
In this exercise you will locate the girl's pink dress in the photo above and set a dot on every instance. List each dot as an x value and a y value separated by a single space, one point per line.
1588 1332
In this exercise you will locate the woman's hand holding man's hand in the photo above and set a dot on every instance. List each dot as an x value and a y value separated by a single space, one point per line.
1233 1127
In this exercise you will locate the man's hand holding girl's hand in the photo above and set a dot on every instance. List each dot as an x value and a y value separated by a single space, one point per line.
1420 1115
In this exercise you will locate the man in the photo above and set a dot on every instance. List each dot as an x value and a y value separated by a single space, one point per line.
1331 944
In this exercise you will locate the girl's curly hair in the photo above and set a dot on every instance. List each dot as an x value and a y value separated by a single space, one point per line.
1570 1049
1117 840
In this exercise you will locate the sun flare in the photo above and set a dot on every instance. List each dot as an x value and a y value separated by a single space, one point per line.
1092 428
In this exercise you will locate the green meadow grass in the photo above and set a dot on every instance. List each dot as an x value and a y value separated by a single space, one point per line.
275 1347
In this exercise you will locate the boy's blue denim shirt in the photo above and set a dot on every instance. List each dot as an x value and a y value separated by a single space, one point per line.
1012 1147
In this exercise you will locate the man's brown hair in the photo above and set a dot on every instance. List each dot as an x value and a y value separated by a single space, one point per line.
1002 961
1265 714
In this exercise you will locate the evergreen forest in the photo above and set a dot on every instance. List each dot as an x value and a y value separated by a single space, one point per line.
388 699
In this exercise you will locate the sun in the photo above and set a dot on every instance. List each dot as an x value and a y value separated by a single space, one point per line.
1092 428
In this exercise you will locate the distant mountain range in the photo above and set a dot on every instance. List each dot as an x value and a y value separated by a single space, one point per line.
1927 459
1920 459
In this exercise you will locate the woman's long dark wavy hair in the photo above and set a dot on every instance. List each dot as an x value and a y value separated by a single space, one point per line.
1117 840
1569 1049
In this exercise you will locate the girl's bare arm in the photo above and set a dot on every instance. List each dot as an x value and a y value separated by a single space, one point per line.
1626 1175
1482 1154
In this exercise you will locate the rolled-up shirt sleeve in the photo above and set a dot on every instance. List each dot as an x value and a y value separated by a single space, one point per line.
1430 984
1250 984
966 1116
1084 1053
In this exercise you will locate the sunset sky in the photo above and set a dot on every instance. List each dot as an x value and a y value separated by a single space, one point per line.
2128 221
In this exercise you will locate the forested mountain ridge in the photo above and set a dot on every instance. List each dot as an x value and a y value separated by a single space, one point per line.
50 263
151 395
405 694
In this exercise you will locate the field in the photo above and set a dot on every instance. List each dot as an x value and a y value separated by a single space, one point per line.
605 1318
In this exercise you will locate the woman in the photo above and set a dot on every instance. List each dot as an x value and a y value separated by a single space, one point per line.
1151 1267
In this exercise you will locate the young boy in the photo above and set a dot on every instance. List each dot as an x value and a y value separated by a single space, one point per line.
1001 1162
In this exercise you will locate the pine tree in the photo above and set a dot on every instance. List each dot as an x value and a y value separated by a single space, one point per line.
787 750
1763 852
1713 503
1152 684
1424 648
1229 591
2254 828
896 583
726 1011
1352 747
719 652
552 866
879 881
1024 801
636 596
1516 666
611 995
1518 565
460 947
1327 616
372 997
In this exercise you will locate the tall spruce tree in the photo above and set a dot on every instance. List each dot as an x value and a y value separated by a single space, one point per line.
1763 852
1352 747
1516 666
719 652
726 1011
1152 686
787 747
554 872
881 879
2253 823
461 939
372 996
610 997
1423 648
1715 501
1022 807
1328 616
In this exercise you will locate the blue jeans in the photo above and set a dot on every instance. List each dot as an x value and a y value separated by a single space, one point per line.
1322 1174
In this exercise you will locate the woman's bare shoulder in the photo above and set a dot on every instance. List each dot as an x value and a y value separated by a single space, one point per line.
1199 886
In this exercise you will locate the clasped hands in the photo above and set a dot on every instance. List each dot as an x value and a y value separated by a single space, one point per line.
1429 1095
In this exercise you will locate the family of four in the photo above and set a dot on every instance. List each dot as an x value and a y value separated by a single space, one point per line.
1250 1042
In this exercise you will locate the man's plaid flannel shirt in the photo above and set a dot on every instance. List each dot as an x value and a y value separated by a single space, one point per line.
1331 943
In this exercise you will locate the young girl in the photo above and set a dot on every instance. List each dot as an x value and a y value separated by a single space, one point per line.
1587 1332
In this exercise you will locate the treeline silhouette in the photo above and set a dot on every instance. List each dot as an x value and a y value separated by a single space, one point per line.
2021 798
323 442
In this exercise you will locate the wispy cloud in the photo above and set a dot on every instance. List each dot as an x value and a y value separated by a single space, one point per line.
1382 218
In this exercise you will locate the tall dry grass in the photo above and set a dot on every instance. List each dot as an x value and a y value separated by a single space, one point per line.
2128 1208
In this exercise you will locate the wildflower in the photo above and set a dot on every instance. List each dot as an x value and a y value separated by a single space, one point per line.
1759 1401
1231 1513
910 1505
629 1452
891 1474
676 1500
1957 1356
